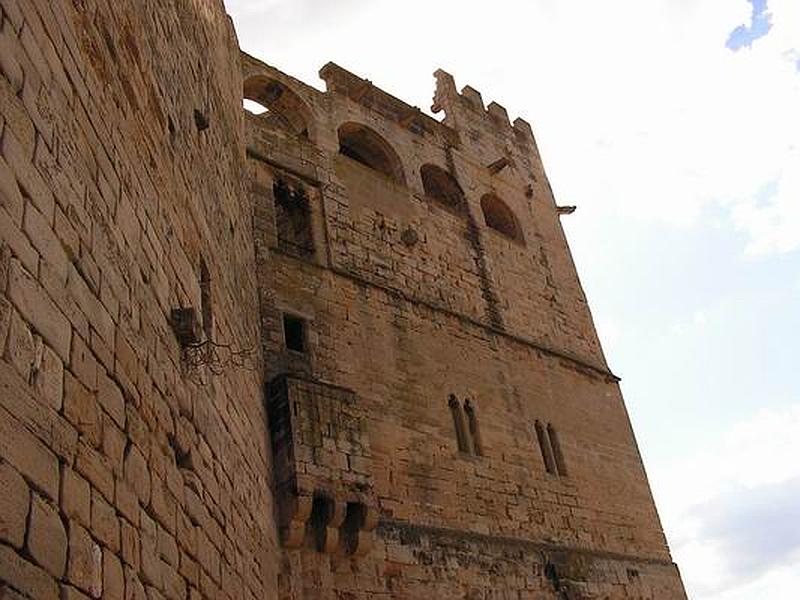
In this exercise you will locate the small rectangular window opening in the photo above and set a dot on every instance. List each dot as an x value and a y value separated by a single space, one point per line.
294 333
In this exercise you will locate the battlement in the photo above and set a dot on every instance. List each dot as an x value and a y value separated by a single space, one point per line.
448 99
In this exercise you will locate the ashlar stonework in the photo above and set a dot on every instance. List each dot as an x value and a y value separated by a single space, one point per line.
335 348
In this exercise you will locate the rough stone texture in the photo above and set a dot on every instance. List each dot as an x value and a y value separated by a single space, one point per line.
411 297
14 506
47 540
351 308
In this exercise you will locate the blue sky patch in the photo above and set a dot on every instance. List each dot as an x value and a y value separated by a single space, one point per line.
760 24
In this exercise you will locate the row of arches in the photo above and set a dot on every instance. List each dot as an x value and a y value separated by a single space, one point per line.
285 110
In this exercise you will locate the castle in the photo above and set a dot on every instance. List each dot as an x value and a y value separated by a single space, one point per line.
334 350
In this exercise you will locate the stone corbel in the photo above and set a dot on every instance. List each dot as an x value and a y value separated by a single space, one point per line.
294 511
365 537
328 533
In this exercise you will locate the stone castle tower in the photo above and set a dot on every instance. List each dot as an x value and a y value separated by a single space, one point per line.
336 350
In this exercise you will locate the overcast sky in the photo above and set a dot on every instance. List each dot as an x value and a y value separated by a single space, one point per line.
674 126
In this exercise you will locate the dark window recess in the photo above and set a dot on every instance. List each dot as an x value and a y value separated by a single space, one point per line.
293 220
294 333
365 146
546 450
353 522
205 301
550 448
317 526
458 423
499 216
442 187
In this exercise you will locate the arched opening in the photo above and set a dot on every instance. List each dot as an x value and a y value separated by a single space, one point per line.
499 217
365 146
278 106
442 187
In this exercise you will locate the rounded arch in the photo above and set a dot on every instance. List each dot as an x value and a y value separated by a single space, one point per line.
500 217
442 186
364 145
283 109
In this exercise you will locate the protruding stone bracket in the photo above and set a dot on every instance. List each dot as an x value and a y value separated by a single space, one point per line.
499 165
295 512
565 210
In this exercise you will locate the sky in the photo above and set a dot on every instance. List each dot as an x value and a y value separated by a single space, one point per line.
674 126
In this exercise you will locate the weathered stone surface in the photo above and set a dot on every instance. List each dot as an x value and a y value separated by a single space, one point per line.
113 576
14 506
76 497
85 563
47 539
31 580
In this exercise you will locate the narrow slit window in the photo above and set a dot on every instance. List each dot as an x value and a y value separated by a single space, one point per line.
205 301
474 430
294 333
546 450
557 454
459 425
317 526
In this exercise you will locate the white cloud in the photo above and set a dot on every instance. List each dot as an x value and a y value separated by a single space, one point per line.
725 509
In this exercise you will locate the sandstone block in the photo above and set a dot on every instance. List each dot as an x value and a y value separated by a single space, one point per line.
70 593
76 497
94 467
31 580
130 544
80 409
48 379
36 306
19 346
83 364
13 506
105 524
39 230
137 473
111 399
31 458
113 577
85 566
47 540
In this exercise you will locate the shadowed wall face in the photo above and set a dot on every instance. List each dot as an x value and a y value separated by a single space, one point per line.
132 464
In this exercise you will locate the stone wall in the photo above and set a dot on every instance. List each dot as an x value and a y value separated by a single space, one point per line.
130 467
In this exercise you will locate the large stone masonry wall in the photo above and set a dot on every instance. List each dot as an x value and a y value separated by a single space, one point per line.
125 472
463 312
529 289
